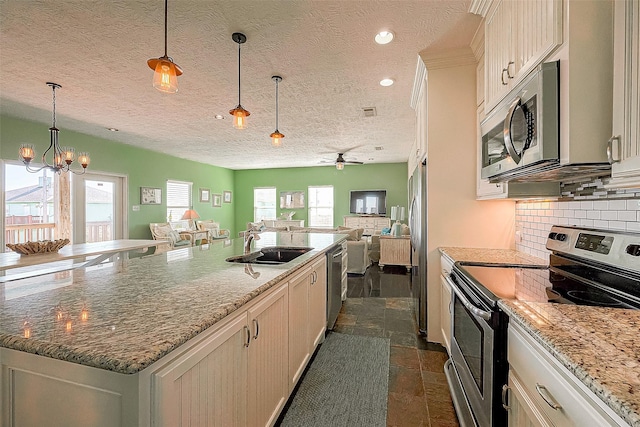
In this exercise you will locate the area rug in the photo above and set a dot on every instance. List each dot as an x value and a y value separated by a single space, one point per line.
345 385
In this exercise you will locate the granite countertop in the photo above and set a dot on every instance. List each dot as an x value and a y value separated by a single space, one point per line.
493 256
600 346
139 310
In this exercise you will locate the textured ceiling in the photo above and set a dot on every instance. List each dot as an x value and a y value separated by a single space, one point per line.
324 50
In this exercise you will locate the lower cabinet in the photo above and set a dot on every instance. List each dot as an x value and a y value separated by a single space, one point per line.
445 302
542 392
238 376
307 317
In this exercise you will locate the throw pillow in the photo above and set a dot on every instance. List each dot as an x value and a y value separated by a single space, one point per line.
352 233
174 236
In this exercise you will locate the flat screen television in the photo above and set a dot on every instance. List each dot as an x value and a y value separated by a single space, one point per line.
368 202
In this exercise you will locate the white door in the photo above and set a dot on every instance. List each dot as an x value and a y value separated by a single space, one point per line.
98 208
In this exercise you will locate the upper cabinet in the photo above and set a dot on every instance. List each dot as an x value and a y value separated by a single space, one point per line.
624 146
419 104
518 36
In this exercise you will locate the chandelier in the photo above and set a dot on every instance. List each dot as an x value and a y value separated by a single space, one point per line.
62 157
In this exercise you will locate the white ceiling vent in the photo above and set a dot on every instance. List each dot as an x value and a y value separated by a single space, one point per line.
369 111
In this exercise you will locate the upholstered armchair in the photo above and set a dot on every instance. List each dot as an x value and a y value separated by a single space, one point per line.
164 231
215 232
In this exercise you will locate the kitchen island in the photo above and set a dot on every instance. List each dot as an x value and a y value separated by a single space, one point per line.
112 328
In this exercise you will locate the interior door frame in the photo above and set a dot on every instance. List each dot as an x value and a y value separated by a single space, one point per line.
121 185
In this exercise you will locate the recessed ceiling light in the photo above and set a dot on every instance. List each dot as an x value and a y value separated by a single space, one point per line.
219 117
112 129
386 82
384 37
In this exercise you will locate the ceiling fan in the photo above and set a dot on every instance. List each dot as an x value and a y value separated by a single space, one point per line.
340 162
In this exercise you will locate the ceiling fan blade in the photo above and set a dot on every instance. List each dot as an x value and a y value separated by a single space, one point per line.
353 162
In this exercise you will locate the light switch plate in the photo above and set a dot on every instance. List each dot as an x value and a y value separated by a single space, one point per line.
136 208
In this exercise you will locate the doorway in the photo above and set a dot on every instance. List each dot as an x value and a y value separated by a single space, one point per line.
99 212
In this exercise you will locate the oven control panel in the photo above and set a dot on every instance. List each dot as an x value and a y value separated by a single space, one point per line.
615 248
594 243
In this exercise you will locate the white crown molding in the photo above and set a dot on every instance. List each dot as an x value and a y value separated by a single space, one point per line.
480 7
418 81
477 43
448 58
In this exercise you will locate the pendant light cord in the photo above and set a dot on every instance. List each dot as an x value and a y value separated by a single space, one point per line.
54 105
165 27
239 44
276 104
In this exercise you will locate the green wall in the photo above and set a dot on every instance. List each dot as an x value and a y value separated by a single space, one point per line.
388 176
143 168
151 169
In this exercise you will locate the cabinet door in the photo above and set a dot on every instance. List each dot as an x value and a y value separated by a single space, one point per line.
206 385
499 52
351 221
522 412
626 92
318 303
299 331
445 312
539 33
268 358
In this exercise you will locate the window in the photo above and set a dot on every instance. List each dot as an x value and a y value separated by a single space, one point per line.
264 203
321 206
178 199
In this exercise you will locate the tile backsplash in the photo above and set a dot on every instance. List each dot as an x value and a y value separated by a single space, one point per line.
534 219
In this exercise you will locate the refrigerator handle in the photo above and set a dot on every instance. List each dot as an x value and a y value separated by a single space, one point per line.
412 225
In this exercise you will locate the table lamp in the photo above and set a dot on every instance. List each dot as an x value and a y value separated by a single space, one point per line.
190 214
397 214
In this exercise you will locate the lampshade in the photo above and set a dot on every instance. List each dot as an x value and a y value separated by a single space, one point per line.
397 213
190 214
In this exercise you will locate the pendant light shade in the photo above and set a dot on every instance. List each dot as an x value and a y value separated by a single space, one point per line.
276 137
239 113
165 77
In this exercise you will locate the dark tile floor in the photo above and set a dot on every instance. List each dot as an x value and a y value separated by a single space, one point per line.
379 304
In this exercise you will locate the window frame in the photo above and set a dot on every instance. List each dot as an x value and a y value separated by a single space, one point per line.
175 212
313 207
256 208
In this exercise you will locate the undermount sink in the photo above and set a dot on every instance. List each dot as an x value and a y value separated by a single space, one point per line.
271 255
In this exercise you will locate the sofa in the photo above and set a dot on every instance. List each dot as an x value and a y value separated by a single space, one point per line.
357 245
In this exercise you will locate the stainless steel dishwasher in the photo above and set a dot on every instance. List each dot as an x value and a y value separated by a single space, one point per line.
334 284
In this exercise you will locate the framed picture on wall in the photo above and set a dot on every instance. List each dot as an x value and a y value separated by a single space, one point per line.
226 196
217 200
150 196
205 195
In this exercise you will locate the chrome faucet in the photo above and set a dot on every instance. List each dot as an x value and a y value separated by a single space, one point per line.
248 237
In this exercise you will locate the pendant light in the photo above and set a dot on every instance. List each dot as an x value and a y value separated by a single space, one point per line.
165 78
276 137
239 113
61 157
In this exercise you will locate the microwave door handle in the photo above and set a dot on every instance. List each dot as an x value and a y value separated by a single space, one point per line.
508 142
472 308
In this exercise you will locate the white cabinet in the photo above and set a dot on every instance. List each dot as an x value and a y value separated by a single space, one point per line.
625 143
419 104
208 383
518 36
371 225
445 302
307 317
268 358
237 376
543 392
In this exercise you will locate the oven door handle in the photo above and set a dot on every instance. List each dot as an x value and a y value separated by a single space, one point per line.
472 308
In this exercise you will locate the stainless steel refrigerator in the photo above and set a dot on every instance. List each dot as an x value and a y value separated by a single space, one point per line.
418 228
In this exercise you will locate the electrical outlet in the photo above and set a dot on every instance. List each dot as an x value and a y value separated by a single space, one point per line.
136 208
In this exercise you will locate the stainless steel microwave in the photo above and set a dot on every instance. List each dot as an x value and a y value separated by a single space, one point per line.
521 135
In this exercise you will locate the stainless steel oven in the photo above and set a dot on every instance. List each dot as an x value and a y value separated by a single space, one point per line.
586 267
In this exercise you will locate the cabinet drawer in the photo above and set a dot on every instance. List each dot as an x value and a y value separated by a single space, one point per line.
547 383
